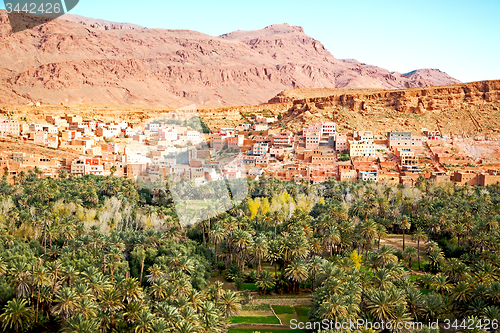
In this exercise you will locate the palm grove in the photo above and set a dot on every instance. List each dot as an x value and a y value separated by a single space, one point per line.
102 254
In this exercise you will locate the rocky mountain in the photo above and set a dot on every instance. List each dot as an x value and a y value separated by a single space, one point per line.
73 62
99 24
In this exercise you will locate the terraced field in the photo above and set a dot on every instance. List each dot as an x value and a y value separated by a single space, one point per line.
271 315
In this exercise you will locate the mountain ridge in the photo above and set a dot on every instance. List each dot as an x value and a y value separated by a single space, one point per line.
68 62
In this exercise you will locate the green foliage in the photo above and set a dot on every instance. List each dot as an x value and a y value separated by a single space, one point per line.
249 286
238 282
75 249
283 309
302 312
344 157
259 307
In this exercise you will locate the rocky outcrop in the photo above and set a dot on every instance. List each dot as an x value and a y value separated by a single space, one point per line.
99 24
461 110
410 101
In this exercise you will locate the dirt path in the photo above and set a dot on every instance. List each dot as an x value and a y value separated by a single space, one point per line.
397 242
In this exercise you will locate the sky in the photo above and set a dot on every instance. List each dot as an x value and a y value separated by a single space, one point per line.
461 38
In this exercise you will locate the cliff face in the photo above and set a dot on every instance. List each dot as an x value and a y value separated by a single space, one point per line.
463 109
416 100
70 62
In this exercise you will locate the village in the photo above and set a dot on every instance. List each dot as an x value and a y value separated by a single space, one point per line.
171 146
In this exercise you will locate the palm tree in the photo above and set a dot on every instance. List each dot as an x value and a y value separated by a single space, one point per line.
87 307
432 246
386 255
17 314
98 283
169 313
440 284
419 236
409 254
70 274
461 292
404 225
218 234
315 265
265 281
80 324
460 230
210 317
426 280
381 305
434 306
110 302
297 271
185 265
436 258
456 270
382 279
140 255
333 308
41 278
368 231
277 218
241 240
195 300
132 311
144 321
332 238
229 303
21 278
218 288
491 313
3 267
131 290
185 327
260 249
155 273
381 232
274 253
66 303
494 292
158 289
414 301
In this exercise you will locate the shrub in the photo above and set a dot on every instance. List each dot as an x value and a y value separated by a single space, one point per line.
251 277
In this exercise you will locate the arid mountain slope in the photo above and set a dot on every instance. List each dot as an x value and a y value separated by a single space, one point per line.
99 24
469 109
463 109
69 62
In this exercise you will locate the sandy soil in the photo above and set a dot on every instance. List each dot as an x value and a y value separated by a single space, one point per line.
397 242
256 313
281 301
